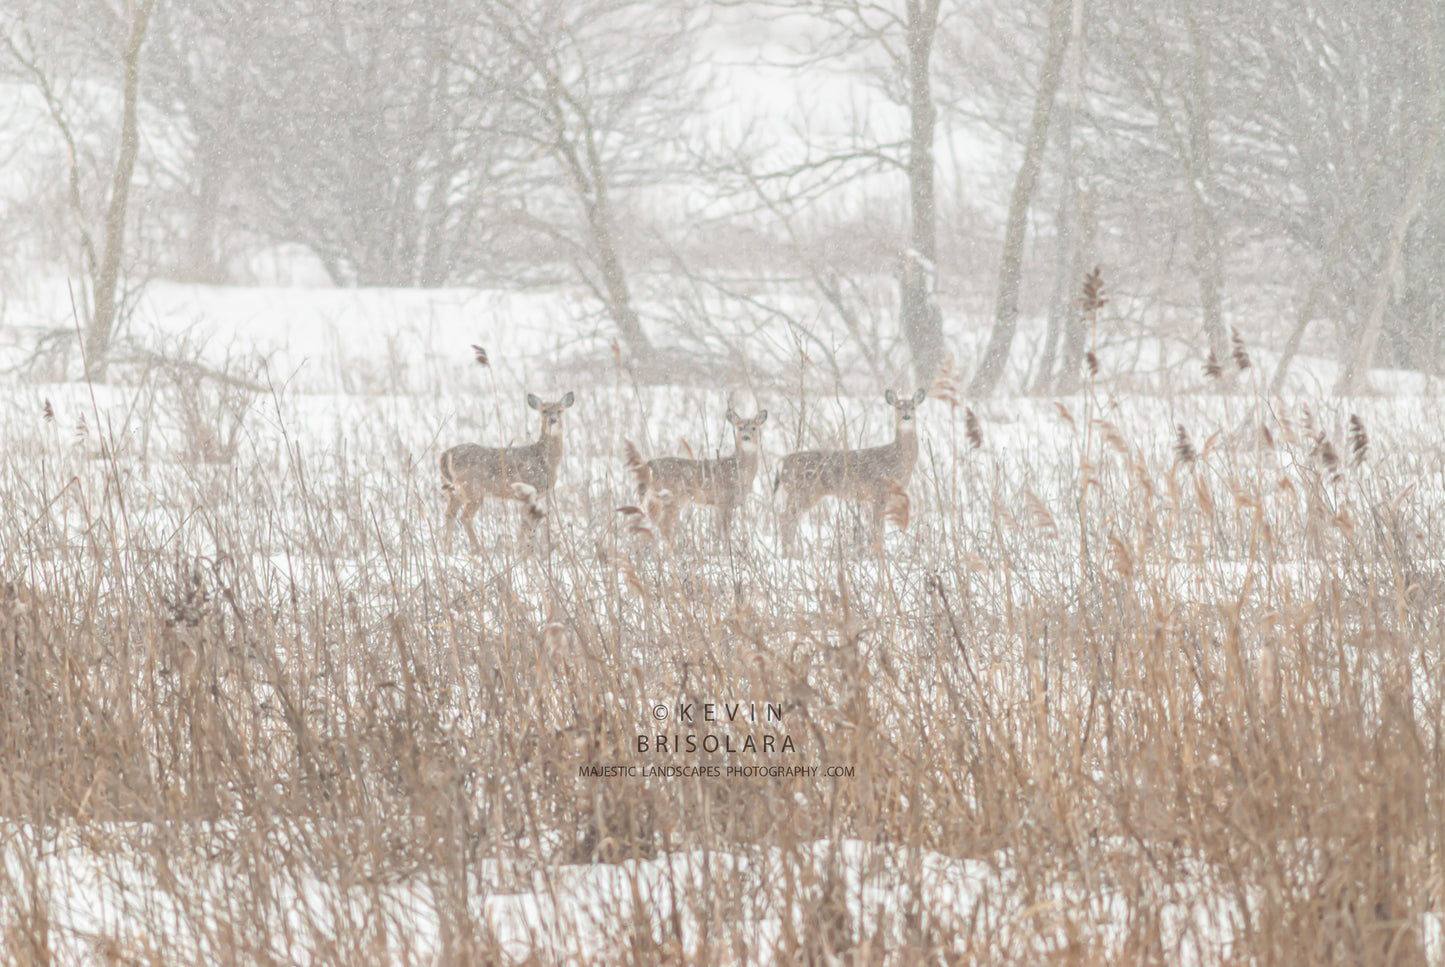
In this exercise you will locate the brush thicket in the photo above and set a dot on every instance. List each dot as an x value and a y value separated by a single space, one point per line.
1186 719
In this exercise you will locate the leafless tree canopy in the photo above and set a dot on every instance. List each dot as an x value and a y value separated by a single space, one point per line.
1217 156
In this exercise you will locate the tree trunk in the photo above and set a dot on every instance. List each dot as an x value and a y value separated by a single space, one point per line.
1208 260
438 261
107 277
1076 336
1060 303
588 176
604 242
1006 315
1306 313
1357 363
1062 306
436 256
1326 269
199 260
614 283
921 316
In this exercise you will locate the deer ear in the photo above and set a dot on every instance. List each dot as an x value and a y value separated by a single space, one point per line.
568 400
891 397
919 396
533 402
732 416
761 418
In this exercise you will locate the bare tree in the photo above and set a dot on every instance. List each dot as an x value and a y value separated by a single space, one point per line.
1074 230
892 41
356 131
1339 106
102 262
1006 312
1198 106
368 147
604 85
1361 354
201 61
921 316
1292 131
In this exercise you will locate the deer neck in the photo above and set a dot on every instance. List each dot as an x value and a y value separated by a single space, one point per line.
747 461
550 443
905 447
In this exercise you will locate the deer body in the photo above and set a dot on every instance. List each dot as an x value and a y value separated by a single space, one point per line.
471 473
862 476
667 484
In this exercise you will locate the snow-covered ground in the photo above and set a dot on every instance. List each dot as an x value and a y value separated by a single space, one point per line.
323 437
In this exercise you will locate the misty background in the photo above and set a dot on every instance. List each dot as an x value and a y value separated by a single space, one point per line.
879 185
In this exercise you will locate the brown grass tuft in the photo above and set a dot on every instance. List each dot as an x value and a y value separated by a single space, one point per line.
630 576
1203 496
972 430
1093 298
1040 518
1237 350
1359 441
945 382
1184 451
636 466
636 521
1324 451
1120 557
1113 438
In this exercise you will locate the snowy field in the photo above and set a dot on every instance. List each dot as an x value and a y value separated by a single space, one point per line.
1152 672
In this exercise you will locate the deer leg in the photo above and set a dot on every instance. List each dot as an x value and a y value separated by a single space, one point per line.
796 507
875 518
449 524
546 524
536 514
468 512
449 520
526 530
670 514
725 520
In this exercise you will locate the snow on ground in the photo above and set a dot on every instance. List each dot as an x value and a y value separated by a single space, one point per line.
358 392
90 887
578 914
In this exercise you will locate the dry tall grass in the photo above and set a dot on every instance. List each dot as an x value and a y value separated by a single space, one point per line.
1102 705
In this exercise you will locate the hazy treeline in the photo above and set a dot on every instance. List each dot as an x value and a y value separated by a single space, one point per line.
1255 163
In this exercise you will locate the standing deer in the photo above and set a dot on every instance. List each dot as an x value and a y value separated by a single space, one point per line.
471 472
860 475
666 484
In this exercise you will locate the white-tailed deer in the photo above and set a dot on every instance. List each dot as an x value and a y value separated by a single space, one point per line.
667 484
860 475
471 473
